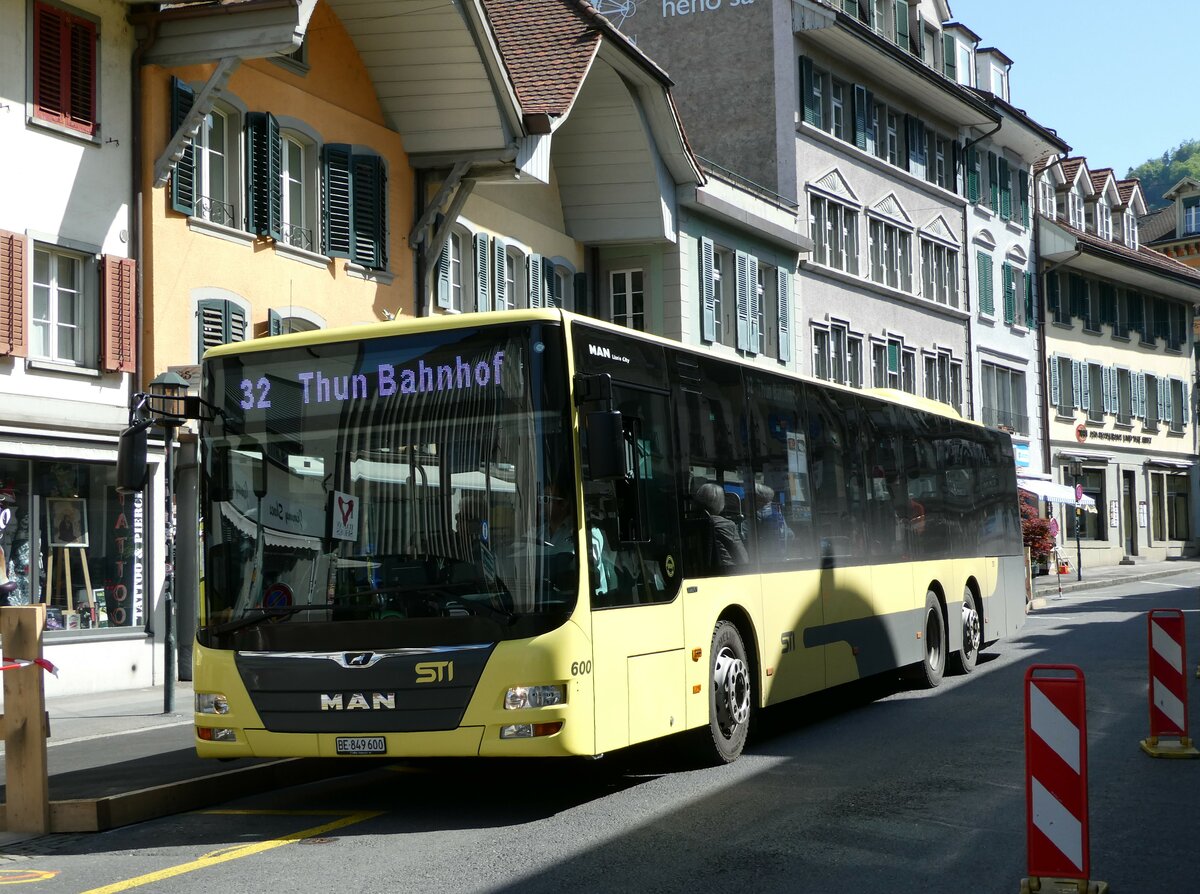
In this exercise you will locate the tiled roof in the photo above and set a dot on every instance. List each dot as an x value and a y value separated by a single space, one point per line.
548 46
1100 177
1070 167
1126 187
1157 225
1143 257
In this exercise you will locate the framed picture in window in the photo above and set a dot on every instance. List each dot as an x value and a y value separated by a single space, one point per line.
67 518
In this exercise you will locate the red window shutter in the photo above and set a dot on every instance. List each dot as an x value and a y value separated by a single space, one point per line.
64 68
118 337
14 265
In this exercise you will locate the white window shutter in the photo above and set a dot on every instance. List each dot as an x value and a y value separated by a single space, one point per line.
443 276
1106 378
783 289
1075 383
755 304
1055 386
500 273
742 266
537 293
1184 411
708 290
483 295
1085 381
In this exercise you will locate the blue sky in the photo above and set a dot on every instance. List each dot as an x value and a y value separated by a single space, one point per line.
1112 78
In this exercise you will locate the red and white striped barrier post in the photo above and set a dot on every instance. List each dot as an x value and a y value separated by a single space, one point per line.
1056 805
1168 688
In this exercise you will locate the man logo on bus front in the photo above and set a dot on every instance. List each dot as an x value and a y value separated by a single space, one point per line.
359 659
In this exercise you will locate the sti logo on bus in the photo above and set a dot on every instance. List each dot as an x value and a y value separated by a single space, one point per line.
380 701
435 671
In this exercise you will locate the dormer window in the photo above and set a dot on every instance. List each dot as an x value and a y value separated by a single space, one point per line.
1103 220
1191 216
1046 197
1000 82
1075 210
1130 228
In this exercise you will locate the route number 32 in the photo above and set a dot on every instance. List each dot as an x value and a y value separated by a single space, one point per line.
253 401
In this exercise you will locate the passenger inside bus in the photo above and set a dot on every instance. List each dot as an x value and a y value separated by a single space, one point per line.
725 547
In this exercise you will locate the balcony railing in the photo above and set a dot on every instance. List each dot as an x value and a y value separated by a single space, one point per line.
297 237
215 211
1018 422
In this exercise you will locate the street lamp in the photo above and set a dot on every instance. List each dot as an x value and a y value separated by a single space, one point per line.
168 393
1076 471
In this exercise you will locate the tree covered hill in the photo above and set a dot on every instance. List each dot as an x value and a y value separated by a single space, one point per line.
1160 174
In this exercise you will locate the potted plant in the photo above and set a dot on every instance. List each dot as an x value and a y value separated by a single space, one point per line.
1036 532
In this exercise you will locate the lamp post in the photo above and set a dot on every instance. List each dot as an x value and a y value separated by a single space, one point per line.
1076 470
167 393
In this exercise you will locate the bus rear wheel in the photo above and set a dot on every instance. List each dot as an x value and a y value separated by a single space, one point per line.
933 632
729 698
972 633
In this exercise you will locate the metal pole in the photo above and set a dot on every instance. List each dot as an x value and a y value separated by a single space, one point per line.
169 578
1078 523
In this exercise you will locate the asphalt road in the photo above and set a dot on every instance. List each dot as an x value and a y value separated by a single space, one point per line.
871 788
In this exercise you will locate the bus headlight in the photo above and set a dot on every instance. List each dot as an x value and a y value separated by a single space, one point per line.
216 734
534 697
530 730
211 703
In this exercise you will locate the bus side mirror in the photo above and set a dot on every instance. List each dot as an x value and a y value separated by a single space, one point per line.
606 447
131 460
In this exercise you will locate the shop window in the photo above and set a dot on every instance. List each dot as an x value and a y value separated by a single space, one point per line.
70 541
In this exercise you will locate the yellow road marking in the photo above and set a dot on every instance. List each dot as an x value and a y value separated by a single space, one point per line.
236 853
25 876
219 812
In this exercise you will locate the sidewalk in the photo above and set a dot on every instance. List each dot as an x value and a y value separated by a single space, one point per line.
116 758
1047 586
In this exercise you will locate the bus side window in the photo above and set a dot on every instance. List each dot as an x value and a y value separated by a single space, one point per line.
836 464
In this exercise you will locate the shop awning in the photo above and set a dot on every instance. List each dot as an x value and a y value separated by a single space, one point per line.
1055 493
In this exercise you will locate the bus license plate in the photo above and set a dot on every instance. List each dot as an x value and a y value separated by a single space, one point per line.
361 745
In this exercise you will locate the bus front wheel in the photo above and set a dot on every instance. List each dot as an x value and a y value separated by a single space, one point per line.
729 698
933 632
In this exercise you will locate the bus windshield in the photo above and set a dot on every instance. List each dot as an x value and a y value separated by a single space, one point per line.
376 485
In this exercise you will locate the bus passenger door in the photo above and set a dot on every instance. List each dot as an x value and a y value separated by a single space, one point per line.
632 537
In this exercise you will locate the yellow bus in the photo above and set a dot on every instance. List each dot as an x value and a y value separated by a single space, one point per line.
533 533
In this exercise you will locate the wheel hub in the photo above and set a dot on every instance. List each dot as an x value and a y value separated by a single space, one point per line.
971 628
731 685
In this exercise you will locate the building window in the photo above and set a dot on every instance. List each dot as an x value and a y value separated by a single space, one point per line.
1103 220
837 109
1046 202
1171 513
1075 210
1095 399
1093 525
1003 392
628 299
214 201
939 273
219 322
63 311
966 70
1191 216
508 301
1124 397
943 379
1064 375
296 203
1177 400
891 250
834 234
838 355
1130 229
64 68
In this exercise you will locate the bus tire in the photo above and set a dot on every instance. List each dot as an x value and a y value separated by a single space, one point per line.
972 633
933 635
730 697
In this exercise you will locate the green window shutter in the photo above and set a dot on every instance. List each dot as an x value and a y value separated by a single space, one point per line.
336 201
533 276
862 123
1030 306
919 38
1053 299
742 291
274 322
850 7
369 211
1023 186
1108 303
1005 188
708 290
1077 295
183 175
500 273
264 166
219 322
783 289
583 304
550 296
972 175
483 294
812 104
901 30
950 57
1008 275
993 181
987 302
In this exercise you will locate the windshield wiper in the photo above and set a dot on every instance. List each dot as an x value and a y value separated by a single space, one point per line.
266 613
